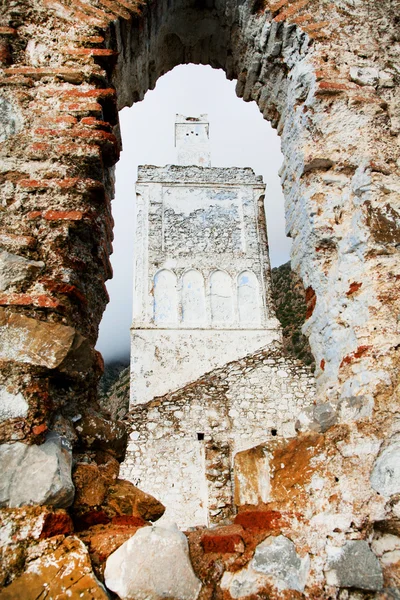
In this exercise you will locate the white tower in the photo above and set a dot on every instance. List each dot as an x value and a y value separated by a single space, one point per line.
201 268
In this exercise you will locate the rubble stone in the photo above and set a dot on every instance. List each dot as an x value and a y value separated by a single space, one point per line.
36 474
61 570
151 565
51 345
354 565
16 269
277 558
102 434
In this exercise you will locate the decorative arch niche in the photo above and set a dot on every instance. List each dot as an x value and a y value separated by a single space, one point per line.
193 298
165 306
248 297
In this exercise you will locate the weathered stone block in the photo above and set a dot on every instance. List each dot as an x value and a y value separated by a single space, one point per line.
354 565
36 474
15 269
277 557
50 345
151 565
63 572
103 434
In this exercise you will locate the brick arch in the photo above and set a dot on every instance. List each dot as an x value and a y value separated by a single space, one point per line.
301 62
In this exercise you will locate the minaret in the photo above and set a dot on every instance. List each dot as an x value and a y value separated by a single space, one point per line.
201 269
192 141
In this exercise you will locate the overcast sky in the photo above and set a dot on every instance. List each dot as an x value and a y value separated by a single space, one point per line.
239 136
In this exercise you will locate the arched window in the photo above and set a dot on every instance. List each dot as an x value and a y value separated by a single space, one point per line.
165 298
221 298
193 298
248 299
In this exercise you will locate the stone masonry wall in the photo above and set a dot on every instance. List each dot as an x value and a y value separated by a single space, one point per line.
181 446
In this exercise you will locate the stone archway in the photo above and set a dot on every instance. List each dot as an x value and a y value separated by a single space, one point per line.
321 72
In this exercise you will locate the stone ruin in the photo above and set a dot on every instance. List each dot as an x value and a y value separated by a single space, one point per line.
325 74
207 364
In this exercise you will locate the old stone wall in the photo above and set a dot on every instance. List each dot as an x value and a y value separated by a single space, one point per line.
182 446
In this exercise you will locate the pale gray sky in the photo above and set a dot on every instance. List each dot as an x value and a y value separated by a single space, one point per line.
239 136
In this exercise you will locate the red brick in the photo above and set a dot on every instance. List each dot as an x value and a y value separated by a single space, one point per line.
322 365
22 241
39 148
128 520
38 429
62 120
90 10
334 87
302 19
56 523
92 134
34 214
116 8
83 108
96 123
8 31
291 10
315 26
274 6
90 39
222 544
260 519
33 184
64 215
78 150
89 52
134 6
17 80
40 300
92 93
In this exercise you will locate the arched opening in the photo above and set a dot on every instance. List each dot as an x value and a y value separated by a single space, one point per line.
239 136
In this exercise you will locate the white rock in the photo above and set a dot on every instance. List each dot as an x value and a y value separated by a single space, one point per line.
15 269
12 405
153 564
36 474
364 75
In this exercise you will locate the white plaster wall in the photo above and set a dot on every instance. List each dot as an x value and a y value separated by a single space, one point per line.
165 360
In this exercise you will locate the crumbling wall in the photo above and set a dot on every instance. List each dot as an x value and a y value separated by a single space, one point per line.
325 74
181 446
